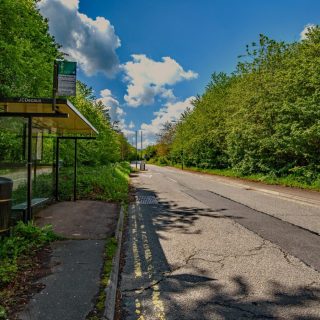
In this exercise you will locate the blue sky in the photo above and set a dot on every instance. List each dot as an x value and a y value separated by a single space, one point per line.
198 37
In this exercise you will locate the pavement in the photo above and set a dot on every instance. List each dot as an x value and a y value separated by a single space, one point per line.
203 247
76 263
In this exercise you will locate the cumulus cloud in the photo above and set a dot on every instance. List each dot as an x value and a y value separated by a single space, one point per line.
305 31
170 112
116 112
148 79
91 42
112 105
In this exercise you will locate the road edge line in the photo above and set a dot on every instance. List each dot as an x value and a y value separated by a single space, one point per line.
111 289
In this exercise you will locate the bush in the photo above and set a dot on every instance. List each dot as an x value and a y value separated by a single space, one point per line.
25 239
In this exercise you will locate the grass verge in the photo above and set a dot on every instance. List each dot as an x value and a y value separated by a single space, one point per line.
287 181
108 183
110 251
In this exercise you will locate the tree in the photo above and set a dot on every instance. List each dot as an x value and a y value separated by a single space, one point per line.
27 50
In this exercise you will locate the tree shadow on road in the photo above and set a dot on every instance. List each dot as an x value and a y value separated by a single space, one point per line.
196 296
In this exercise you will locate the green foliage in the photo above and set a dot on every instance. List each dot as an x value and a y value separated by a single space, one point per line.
110 251
261 119
3 313
27 50
26 70
109 183
25 239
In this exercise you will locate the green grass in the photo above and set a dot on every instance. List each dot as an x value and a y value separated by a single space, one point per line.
26 238
107 183
110 251
288 181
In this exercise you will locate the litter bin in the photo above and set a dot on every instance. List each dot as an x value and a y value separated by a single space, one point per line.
142 166
5 203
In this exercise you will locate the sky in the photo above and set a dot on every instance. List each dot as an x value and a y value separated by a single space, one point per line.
147 60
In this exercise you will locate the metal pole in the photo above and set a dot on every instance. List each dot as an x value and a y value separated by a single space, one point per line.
136 149
29 173
141 146
182 163
57 169
55 85
75 170
24 141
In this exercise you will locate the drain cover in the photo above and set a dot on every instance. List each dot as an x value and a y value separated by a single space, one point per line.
147 199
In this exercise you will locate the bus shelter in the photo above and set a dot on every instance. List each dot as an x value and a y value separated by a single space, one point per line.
59 118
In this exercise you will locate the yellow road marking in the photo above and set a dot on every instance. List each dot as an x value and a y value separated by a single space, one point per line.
156 300
158 305
137 263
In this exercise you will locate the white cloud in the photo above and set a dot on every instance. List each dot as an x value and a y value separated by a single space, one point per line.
90 42
305 31
116 112
148 79
170 112
71 4
112 105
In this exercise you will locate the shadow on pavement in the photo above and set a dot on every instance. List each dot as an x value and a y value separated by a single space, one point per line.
178 291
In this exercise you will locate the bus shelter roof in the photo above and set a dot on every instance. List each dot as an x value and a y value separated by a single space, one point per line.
65 118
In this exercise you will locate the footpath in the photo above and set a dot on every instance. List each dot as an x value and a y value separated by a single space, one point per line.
75 265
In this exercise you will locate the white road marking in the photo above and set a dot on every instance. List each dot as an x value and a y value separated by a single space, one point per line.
275 194
172 180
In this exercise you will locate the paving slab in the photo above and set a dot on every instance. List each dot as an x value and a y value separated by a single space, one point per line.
76 263
81 220
74 282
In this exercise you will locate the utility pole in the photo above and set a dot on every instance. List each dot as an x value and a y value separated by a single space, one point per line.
141 146
136 149
182 163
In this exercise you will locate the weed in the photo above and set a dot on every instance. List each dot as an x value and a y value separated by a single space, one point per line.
107 183
25 239
110 250
3 313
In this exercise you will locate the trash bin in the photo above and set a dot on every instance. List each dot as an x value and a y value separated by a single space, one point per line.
5 203
142 166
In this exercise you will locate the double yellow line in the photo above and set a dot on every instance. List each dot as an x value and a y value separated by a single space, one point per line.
158 305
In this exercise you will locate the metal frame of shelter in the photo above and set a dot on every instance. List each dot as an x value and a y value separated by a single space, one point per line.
63 119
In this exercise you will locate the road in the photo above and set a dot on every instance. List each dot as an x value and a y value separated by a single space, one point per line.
205 247
19 176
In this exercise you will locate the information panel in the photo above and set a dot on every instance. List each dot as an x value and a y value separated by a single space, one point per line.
67 78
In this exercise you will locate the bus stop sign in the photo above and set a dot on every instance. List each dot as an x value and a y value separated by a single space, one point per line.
67 78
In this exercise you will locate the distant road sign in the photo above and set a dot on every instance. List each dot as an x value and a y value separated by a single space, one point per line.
67 78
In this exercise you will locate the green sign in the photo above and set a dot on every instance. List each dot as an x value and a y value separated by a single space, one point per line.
67 68
67 78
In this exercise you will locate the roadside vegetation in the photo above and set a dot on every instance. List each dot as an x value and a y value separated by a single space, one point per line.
17 256
110 251
259 122
28 52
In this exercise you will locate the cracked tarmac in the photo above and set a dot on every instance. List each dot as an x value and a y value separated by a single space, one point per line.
185 259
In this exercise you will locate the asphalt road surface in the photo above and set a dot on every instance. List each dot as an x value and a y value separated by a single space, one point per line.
205 247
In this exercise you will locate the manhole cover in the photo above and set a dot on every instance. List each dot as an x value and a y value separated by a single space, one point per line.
147 199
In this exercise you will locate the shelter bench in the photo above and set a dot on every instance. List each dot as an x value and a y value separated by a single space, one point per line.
22 207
